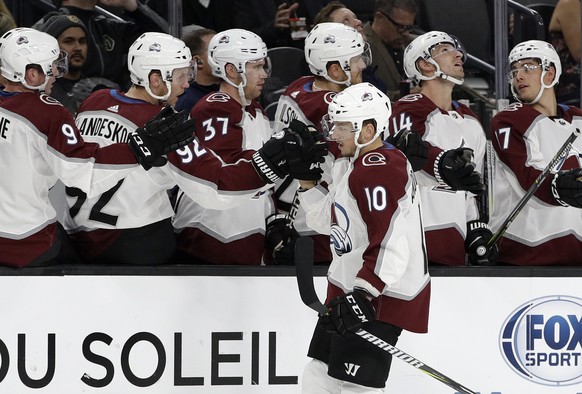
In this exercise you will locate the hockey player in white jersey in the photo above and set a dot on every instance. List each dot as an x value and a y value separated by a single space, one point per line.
373 213
454 140
337 55
526 136
39 144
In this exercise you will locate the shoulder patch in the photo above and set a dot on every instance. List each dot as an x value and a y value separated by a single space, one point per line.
49 100
218 97
373 159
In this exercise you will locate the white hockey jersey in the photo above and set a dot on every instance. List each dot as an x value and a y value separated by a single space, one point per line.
373 215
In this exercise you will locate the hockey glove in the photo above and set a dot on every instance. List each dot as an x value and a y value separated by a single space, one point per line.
455 169
349 312
567 188
478 253
270 161
412 145
305 151
165 132
280 237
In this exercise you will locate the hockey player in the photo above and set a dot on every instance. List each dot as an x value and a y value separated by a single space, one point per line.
453 138
526 136
336 55
379 267
39 143
232 124
131 222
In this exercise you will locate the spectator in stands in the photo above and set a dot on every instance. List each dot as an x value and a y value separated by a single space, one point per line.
335 65
110 37
274 21
335 11
197 40
455 226
564 29
39 144
526 136
388 34
6 19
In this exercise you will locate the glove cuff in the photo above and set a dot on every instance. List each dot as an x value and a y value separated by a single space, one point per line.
555 193
436 169
265 169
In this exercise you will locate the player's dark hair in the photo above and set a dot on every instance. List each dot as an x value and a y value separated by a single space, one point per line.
193 39
324 15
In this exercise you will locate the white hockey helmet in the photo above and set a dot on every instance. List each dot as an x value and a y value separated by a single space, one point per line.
21 47
542 51
329 42
237 47
161 52
421 47
355 105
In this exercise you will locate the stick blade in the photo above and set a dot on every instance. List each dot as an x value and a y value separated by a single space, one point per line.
304 273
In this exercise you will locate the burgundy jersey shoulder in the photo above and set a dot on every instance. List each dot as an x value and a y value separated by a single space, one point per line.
118 104
388 160
411 112
313 103
517 116
44 112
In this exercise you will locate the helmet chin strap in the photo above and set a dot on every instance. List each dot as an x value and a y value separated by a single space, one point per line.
161 98
439 74
538 96
241 89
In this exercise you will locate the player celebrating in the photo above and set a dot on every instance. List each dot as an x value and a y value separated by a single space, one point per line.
232 124
526 136
337 55
39 143
453 138
379 262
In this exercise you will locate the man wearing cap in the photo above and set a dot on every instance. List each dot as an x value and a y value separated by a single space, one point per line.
109 38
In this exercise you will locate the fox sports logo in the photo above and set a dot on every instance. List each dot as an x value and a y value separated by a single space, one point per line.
542 340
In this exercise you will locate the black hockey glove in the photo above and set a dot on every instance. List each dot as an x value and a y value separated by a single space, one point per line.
305 152
165 132
412 145
567 188
478 235
280 237
455 168
270 160
349 312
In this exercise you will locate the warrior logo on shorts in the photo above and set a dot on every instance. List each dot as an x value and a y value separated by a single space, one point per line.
339 238
541 340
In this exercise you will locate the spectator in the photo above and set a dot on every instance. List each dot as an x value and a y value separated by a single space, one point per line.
335 64
110 37
445 137
378 279
388 34
37 149
526 136
232 124
6 19
276 21
197 40
335 11
564 29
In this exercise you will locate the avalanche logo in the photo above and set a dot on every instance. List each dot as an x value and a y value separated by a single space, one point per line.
339 239
542 340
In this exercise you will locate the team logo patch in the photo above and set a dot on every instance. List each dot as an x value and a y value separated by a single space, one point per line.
373 159
22 40
367 97
542 340
218 98
155 47
49 100
329 97
224 40
109 43
339 238
329 39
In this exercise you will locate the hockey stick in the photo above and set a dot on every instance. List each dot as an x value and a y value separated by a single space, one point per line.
304 272
561 154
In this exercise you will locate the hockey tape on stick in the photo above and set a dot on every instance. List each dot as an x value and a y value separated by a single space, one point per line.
304 273
560 155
